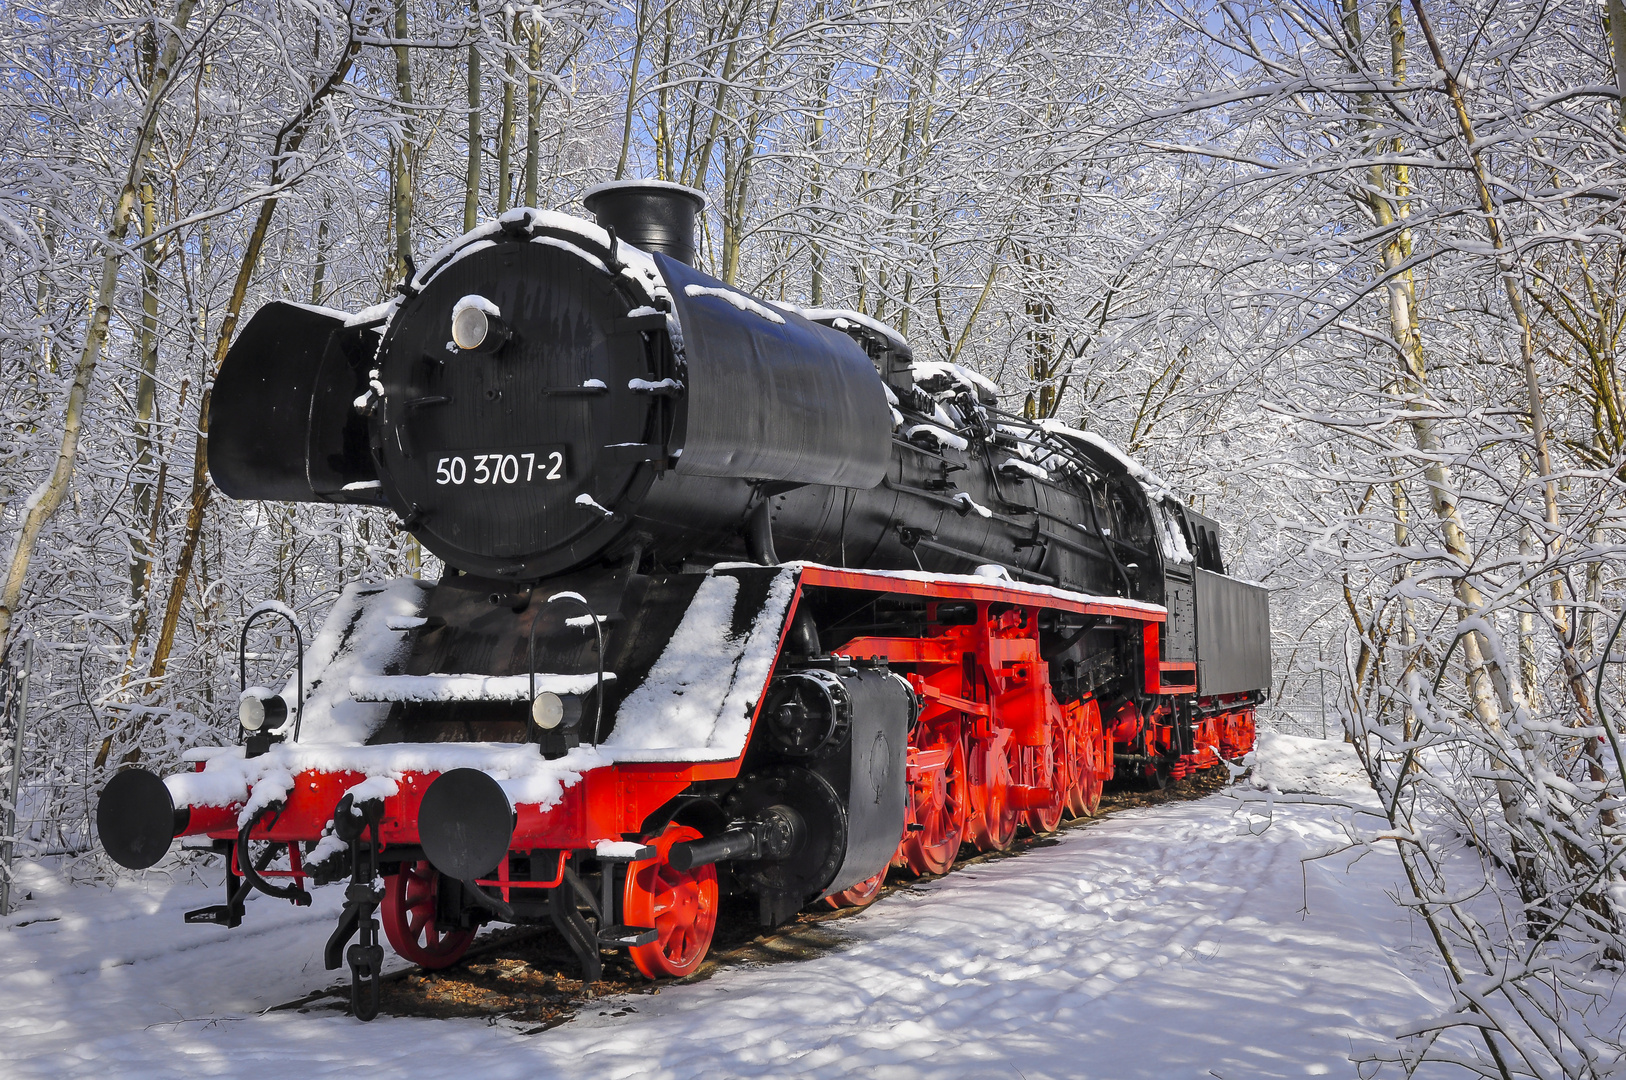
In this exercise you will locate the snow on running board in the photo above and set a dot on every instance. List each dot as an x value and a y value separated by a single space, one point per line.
619 849
468 687
695 705
697 701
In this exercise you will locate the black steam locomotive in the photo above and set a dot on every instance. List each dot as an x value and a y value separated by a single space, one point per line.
741 597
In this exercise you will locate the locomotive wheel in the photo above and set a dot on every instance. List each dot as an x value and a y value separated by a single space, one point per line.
1039 766
863 894
993 824
680 904
1084 794
937 803
1087 765
408 914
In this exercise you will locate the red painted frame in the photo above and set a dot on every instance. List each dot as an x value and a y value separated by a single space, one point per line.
616 800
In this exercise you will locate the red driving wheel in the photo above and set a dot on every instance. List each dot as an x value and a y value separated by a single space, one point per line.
937 803
1088 760
993 824
1040 768
681 905
861 895
408 914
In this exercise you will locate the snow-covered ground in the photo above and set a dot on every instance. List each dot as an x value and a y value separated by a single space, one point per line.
1185 940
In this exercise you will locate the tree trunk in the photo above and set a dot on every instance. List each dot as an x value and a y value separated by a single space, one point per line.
146 392
471 179
403 165
44 503
640 30
533 116
505 134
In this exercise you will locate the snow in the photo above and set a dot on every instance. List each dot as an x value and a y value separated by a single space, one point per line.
972 505
468 687
372 314
927 369
276 607
837 316
406 623
664 185
564 245
591 503
618 849
374 787
738 299
649 386
1292 764
478 303
932 431
1156 488
695 705
1016 464
700 694
354 641
1182 940
318 309
272 787
1049 592
594 384
1171 539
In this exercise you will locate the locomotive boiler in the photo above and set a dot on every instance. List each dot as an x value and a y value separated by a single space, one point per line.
741 598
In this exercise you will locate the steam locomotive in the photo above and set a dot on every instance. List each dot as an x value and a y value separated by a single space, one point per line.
741 598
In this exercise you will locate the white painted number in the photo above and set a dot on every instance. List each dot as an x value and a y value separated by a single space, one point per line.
500 468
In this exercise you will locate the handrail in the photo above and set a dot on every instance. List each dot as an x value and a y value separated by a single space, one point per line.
299 641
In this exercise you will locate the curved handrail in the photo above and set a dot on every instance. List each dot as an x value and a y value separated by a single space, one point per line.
299 641
598 628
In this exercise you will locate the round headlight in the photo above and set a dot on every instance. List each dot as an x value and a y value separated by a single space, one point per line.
470 327
260 708
548 710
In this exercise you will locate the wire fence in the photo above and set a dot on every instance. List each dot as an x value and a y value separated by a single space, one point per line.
50 734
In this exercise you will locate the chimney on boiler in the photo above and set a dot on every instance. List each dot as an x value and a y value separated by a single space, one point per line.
649 214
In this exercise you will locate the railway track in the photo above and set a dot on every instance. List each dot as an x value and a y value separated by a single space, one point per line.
523 976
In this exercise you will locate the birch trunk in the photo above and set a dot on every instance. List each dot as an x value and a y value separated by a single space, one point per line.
471 179
533 115
1575 676
403 164
640 31
505 134
44 503
146 392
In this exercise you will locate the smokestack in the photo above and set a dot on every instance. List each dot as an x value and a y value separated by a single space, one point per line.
649 214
